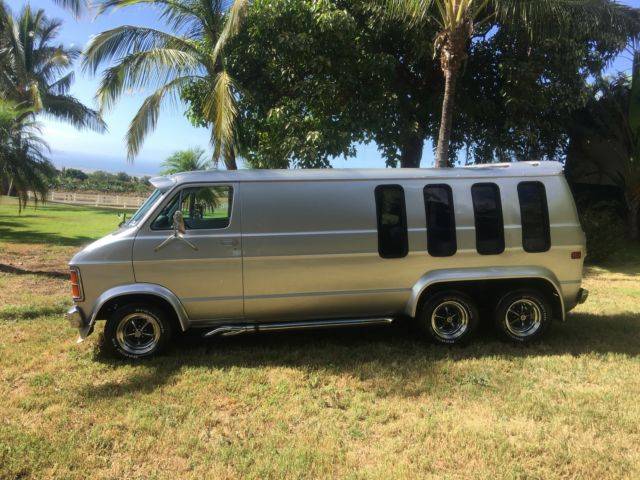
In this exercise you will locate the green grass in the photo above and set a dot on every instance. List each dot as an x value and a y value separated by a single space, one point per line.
54 224
374 403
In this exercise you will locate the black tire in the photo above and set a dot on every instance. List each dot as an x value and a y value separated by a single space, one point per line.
523 316
126 333
448 318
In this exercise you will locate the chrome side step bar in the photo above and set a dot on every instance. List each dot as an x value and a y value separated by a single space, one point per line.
232 330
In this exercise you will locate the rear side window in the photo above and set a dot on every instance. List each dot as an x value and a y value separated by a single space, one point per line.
392 221
487 210
441 222
534 214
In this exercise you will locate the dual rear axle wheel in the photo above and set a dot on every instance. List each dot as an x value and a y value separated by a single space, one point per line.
139 330
452 317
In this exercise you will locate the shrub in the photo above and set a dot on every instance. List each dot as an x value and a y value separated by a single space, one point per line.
605 230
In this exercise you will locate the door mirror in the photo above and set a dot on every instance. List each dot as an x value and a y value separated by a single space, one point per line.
178 222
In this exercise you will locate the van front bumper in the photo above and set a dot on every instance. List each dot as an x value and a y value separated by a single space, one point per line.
77 319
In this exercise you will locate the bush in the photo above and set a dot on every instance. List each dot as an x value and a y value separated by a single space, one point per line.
605 231
70 179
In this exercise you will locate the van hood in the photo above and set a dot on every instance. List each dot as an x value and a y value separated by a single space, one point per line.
114 247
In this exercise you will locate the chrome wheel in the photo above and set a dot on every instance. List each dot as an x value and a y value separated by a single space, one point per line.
450 320
523 318
138 333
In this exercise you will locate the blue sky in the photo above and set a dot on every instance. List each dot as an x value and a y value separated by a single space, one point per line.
92 151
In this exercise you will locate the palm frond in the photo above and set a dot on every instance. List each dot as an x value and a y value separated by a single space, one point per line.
415 12
233 22
590 15
127 39
146 118
71 110
22 158
221 110
151 68
76 7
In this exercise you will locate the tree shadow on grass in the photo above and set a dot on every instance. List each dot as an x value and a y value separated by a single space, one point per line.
393 360
9 234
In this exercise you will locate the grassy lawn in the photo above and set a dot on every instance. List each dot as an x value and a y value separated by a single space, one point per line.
373 403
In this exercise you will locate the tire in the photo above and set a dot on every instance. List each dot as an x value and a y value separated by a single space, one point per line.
137 330
523 316
449 318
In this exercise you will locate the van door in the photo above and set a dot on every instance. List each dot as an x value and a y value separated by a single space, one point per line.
203 267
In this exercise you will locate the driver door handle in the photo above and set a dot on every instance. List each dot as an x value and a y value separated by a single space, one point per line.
230 242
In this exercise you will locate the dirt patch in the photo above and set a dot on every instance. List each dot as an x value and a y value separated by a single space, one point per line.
36 258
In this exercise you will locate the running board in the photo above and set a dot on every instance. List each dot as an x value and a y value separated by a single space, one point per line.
232 330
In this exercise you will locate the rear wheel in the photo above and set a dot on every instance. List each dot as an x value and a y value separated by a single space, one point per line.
449 318
137 331
523 316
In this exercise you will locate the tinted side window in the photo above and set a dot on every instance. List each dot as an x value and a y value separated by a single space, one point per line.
203 208
487 210
535 217
392 221
441 222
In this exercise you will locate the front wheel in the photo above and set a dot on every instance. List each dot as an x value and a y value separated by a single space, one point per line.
523 316
449 318
137 331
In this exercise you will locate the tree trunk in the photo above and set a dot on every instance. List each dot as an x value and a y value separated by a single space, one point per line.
411 152
230 159
446 121
634 227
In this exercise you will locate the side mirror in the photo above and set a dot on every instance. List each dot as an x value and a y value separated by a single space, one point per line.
178 222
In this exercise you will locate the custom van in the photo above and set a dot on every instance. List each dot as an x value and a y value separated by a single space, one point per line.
236 252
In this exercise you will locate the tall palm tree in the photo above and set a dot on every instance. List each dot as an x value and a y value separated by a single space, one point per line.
189 160
35 73
23 165
457 20
141 57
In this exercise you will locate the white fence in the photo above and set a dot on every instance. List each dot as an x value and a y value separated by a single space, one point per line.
96 199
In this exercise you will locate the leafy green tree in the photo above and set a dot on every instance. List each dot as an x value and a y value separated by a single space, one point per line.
23 165
314 78
35 73
73 173
317 77
457 20
170 62
605 141
518 97
188 160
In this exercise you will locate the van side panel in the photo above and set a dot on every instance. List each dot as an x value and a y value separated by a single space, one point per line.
310 248
310 251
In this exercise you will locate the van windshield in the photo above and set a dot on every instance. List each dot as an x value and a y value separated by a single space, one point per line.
144 208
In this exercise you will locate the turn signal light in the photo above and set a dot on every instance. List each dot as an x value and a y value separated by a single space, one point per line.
576 255
76 288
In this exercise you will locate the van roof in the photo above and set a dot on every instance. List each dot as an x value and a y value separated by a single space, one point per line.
491 170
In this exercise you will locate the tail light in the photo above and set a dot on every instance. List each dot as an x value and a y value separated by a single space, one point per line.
76 284
576 255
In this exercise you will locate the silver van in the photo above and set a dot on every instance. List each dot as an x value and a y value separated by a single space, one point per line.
233 252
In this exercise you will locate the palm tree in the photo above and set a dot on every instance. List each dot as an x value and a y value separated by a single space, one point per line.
23 165
457 20
141 57
34 73
188 160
